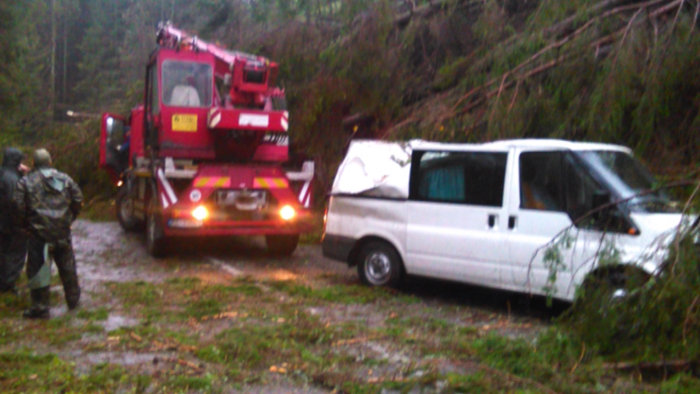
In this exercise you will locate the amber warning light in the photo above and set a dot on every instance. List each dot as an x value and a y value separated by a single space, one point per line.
200 213
287 212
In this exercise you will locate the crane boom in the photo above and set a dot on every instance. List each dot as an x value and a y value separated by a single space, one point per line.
249 76
170 36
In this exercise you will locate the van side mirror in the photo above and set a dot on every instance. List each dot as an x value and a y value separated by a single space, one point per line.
600 198
609 218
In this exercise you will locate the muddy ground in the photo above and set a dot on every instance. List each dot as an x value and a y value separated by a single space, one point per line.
106 257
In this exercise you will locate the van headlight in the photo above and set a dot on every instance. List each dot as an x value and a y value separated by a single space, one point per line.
287 212
200 213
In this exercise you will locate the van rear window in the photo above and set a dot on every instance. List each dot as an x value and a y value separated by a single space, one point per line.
474 178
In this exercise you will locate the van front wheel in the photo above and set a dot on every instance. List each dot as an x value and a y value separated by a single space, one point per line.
379 265
604 291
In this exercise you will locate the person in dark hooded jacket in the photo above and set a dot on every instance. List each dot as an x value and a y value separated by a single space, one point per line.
13 241
48 201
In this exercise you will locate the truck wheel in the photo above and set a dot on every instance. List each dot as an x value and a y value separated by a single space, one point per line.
282 245
125 211
379 265
155 240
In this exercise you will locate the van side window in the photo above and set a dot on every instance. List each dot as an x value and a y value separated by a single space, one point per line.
541 185
474 178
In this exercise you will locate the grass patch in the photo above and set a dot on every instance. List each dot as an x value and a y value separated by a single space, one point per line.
184 383
137 294
26 371
351 294
301 344
98 314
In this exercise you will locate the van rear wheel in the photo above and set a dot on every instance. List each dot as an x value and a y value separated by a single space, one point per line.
379 265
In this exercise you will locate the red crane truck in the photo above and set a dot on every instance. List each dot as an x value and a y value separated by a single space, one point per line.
203 155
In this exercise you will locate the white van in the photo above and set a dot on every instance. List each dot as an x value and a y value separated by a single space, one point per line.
534 216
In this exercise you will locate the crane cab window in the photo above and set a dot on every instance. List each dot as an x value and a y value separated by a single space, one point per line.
187 84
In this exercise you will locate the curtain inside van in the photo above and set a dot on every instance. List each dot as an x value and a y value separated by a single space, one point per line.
444 184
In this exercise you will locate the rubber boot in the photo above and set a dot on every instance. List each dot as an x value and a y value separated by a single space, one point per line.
72 294
40 304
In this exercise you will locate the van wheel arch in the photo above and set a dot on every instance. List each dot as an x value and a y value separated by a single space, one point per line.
361 243
370 248
610 284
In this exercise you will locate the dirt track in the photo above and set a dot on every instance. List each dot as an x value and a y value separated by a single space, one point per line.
105 254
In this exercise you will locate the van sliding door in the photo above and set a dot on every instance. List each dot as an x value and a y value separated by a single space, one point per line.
456 215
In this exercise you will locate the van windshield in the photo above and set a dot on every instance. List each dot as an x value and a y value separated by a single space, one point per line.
628 180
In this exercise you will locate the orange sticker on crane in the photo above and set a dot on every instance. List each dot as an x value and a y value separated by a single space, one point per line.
270 183
212 181
184 123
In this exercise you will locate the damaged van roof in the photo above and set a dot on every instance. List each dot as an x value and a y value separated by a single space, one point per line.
522 143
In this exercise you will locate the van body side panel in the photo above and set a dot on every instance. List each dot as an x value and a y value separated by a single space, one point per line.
352 218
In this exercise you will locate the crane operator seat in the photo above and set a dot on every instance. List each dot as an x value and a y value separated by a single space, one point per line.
185 94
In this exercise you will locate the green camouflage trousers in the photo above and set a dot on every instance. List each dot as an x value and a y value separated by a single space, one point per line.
40 254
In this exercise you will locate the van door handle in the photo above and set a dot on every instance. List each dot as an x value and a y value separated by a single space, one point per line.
492 220
511 222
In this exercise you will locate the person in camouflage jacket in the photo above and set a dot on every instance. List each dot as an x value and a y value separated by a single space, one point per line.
48 201
13 241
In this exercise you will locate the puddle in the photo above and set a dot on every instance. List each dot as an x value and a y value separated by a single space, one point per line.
115 321
121 358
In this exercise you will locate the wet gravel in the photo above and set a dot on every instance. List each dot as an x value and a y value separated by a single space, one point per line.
105 253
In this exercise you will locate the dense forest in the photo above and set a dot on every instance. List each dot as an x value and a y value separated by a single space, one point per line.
620 71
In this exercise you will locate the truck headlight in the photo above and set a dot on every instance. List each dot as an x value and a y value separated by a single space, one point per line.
287 212
200 213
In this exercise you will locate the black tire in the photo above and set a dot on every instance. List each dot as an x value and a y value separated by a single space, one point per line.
125 212
378 264
155 239
282 245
